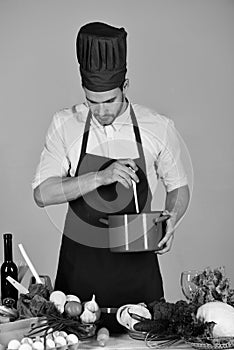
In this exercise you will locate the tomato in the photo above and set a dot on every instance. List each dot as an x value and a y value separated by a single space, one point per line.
73 308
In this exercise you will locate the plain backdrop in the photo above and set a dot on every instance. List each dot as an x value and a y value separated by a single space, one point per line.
180 63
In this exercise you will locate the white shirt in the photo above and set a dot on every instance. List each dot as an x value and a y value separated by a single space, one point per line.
158 134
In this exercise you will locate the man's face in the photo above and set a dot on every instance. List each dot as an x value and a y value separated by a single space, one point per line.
105 106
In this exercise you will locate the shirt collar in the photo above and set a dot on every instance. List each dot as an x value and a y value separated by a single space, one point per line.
122 119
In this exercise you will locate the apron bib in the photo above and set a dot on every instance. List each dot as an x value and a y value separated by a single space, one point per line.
86 265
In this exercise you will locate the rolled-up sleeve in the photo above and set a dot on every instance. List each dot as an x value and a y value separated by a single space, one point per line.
53 159
169 164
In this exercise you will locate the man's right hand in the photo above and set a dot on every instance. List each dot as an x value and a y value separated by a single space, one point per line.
122 170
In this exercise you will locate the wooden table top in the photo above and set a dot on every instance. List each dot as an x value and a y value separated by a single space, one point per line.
125 342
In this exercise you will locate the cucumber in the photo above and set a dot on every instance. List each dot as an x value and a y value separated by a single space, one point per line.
158 326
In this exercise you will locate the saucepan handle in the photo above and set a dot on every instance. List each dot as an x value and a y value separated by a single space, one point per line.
104 221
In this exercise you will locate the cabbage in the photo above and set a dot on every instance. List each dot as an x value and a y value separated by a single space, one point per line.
222 314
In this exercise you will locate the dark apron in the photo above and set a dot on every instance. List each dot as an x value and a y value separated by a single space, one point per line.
86 265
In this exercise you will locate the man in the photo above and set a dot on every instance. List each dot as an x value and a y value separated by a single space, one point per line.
94 152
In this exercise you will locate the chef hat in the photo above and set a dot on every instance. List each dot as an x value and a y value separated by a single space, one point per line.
101 52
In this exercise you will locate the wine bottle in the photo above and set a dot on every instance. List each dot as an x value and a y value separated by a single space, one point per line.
9 294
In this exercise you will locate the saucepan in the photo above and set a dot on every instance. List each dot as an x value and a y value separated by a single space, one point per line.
136 232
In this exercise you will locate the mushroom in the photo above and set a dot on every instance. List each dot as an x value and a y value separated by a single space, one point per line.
59 299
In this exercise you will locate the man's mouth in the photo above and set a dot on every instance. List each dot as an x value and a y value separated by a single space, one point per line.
105 116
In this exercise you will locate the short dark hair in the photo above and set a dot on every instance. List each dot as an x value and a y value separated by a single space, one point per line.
122 85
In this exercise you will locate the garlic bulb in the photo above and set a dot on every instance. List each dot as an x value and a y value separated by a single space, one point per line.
62 334
37 345
60 341
25 346
72 339
91 305
13 344
50 334
38 338
27 340
88 316
55 334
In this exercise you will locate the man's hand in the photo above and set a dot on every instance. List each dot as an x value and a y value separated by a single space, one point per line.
176 205
166 243
122 170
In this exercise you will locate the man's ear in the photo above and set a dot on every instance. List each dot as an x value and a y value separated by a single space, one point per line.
125 86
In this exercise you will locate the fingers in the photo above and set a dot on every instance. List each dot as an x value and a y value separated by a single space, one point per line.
167 246
129 174
170 228
166 243
124 173
164 240
128 162
169 233
128 168
125 181
122 170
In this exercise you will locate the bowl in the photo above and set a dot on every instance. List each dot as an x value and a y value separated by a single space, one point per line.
136 232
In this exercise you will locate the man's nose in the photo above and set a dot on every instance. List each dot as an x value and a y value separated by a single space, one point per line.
100 109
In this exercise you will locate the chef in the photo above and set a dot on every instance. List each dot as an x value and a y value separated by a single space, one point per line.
93 154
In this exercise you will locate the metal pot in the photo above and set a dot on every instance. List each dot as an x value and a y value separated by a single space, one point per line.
136 232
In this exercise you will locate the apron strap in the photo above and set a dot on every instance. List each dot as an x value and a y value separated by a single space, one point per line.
137 137
84 141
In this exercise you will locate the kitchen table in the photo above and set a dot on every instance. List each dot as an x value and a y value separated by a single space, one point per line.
124 342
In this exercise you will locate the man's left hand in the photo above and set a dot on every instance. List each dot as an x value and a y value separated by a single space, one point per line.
166 243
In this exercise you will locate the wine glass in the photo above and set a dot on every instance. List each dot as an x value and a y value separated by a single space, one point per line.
188 287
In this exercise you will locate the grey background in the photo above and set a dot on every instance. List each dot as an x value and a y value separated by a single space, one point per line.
180 63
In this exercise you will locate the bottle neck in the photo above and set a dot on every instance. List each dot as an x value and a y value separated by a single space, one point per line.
7 249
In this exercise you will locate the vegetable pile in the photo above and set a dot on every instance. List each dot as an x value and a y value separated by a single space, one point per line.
208 315
63 320
58 312
174 319
212 285
36 303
